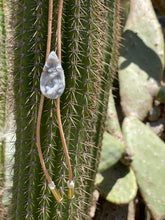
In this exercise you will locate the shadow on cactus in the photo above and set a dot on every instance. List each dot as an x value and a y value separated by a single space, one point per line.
115 181
134 44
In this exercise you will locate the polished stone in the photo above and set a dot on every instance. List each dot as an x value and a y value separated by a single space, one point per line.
52 82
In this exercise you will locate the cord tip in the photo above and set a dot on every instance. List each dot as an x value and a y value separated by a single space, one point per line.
55 192
70 190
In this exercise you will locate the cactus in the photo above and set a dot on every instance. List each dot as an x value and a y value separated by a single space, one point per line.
116 182
3 107
112 123
90 31
113 127
160 94
141 66
113 176
141 60
148 164
111 152
3 76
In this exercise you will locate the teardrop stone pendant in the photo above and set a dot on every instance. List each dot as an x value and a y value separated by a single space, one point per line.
52 81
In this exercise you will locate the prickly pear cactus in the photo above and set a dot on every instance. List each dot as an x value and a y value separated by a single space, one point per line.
115 181
148 164
111 152
141 59
90 34
112 123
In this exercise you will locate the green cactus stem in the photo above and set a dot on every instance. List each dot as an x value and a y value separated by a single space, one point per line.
3 85
3 106
90 35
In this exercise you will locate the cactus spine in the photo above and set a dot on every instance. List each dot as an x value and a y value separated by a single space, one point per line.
89 48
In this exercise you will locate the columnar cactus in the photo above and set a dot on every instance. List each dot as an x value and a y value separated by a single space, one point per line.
3 103
90 30
3 75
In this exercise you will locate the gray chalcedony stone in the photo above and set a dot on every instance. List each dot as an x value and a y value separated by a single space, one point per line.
52 81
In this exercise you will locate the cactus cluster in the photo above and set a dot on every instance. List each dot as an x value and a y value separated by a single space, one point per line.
132 154
141 64
148 164
90 36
